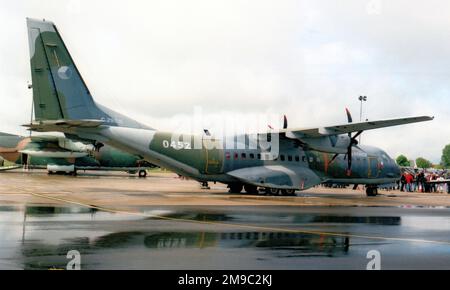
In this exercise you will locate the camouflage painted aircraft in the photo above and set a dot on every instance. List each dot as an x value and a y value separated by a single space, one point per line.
60 154
280 162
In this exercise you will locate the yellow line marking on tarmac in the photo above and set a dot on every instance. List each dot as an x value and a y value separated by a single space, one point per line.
253 227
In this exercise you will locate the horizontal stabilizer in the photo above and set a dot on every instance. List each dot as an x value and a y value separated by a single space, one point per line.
6 168
60 125
54 153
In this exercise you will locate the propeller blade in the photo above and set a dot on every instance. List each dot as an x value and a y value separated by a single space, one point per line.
332 159
349 116
285 122
357 134
359 148
350 120
349 161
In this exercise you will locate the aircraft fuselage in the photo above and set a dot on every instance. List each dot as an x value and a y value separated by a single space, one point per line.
207 159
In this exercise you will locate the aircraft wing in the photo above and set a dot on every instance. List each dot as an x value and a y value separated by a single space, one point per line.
351 127
277 176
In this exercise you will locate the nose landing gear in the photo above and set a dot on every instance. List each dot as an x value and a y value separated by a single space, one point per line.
371 191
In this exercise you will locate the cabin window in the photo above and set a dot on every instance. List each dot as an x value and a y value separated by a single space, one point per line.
236 156
227 155
243 155
282 157
252 156
303 158
259 156
297 158
289 158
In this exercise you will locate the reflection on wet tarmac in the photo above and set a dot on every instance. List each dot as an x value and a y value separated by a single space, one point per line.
379 220
200 240
51 210
36 237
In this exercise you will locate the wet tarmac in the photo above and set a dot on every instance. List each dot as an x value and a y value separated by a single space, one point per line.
117 221
224 237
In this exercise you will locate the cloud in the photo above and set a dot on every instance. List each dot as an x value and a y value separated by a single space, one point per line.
308 59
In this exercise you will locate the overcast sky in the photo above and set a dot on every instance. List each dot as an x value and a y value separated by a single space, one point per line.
155 60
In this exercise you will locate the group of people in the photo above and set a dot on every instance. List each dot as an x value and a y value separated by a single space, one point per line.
423 182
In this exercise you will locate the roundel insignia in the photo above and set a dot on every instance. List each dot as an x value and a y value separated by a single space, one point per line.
64 72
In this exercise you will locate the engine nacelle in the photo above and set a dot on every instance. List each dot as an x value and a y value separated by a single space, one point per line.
75 145
328 144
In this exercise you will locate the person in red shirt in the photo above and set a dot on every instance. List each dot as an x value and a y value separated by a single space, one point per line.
409 180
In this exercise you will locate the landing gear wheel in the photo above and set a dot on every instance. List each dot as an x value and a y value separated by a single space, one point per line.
142 173
272 191
205 185
235 188
251 189
371 191
288 192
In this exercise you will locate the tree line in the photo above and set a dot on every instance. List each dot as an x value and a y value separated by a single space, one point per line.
421 162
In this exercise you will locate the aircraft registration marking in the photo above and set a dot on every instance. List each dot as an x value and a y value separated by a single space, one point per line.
176 144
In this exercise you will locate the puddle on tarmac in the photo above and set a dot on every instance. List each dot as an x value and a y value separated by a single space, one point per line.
40 237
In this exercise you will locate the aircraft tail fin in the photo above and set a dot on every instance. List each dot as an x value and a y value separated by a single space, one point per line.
59 91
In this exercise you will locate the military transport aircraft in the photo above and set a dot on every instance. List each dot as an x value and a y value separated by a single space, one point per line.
58 154
280 161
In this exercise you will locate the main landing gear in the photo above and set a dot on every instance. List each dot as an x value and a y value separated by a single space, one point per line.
235 187
371 191
205 185
276 191
252 189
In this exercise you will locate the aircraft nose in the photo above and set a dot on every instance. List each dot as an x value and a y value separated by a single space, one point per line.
395 169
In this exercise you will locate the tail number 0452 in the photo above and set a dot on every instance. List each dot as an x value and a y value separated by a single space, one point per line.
176 144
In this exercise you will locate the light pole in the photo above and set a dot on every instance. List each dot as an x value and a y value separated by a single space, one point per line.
361 99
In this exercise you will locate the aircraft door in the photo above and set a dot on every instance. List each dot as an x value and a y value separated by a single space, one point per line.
373 170
213 156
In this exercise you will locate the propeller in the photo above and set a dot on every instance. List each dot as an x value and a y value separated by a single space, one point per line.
353 143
